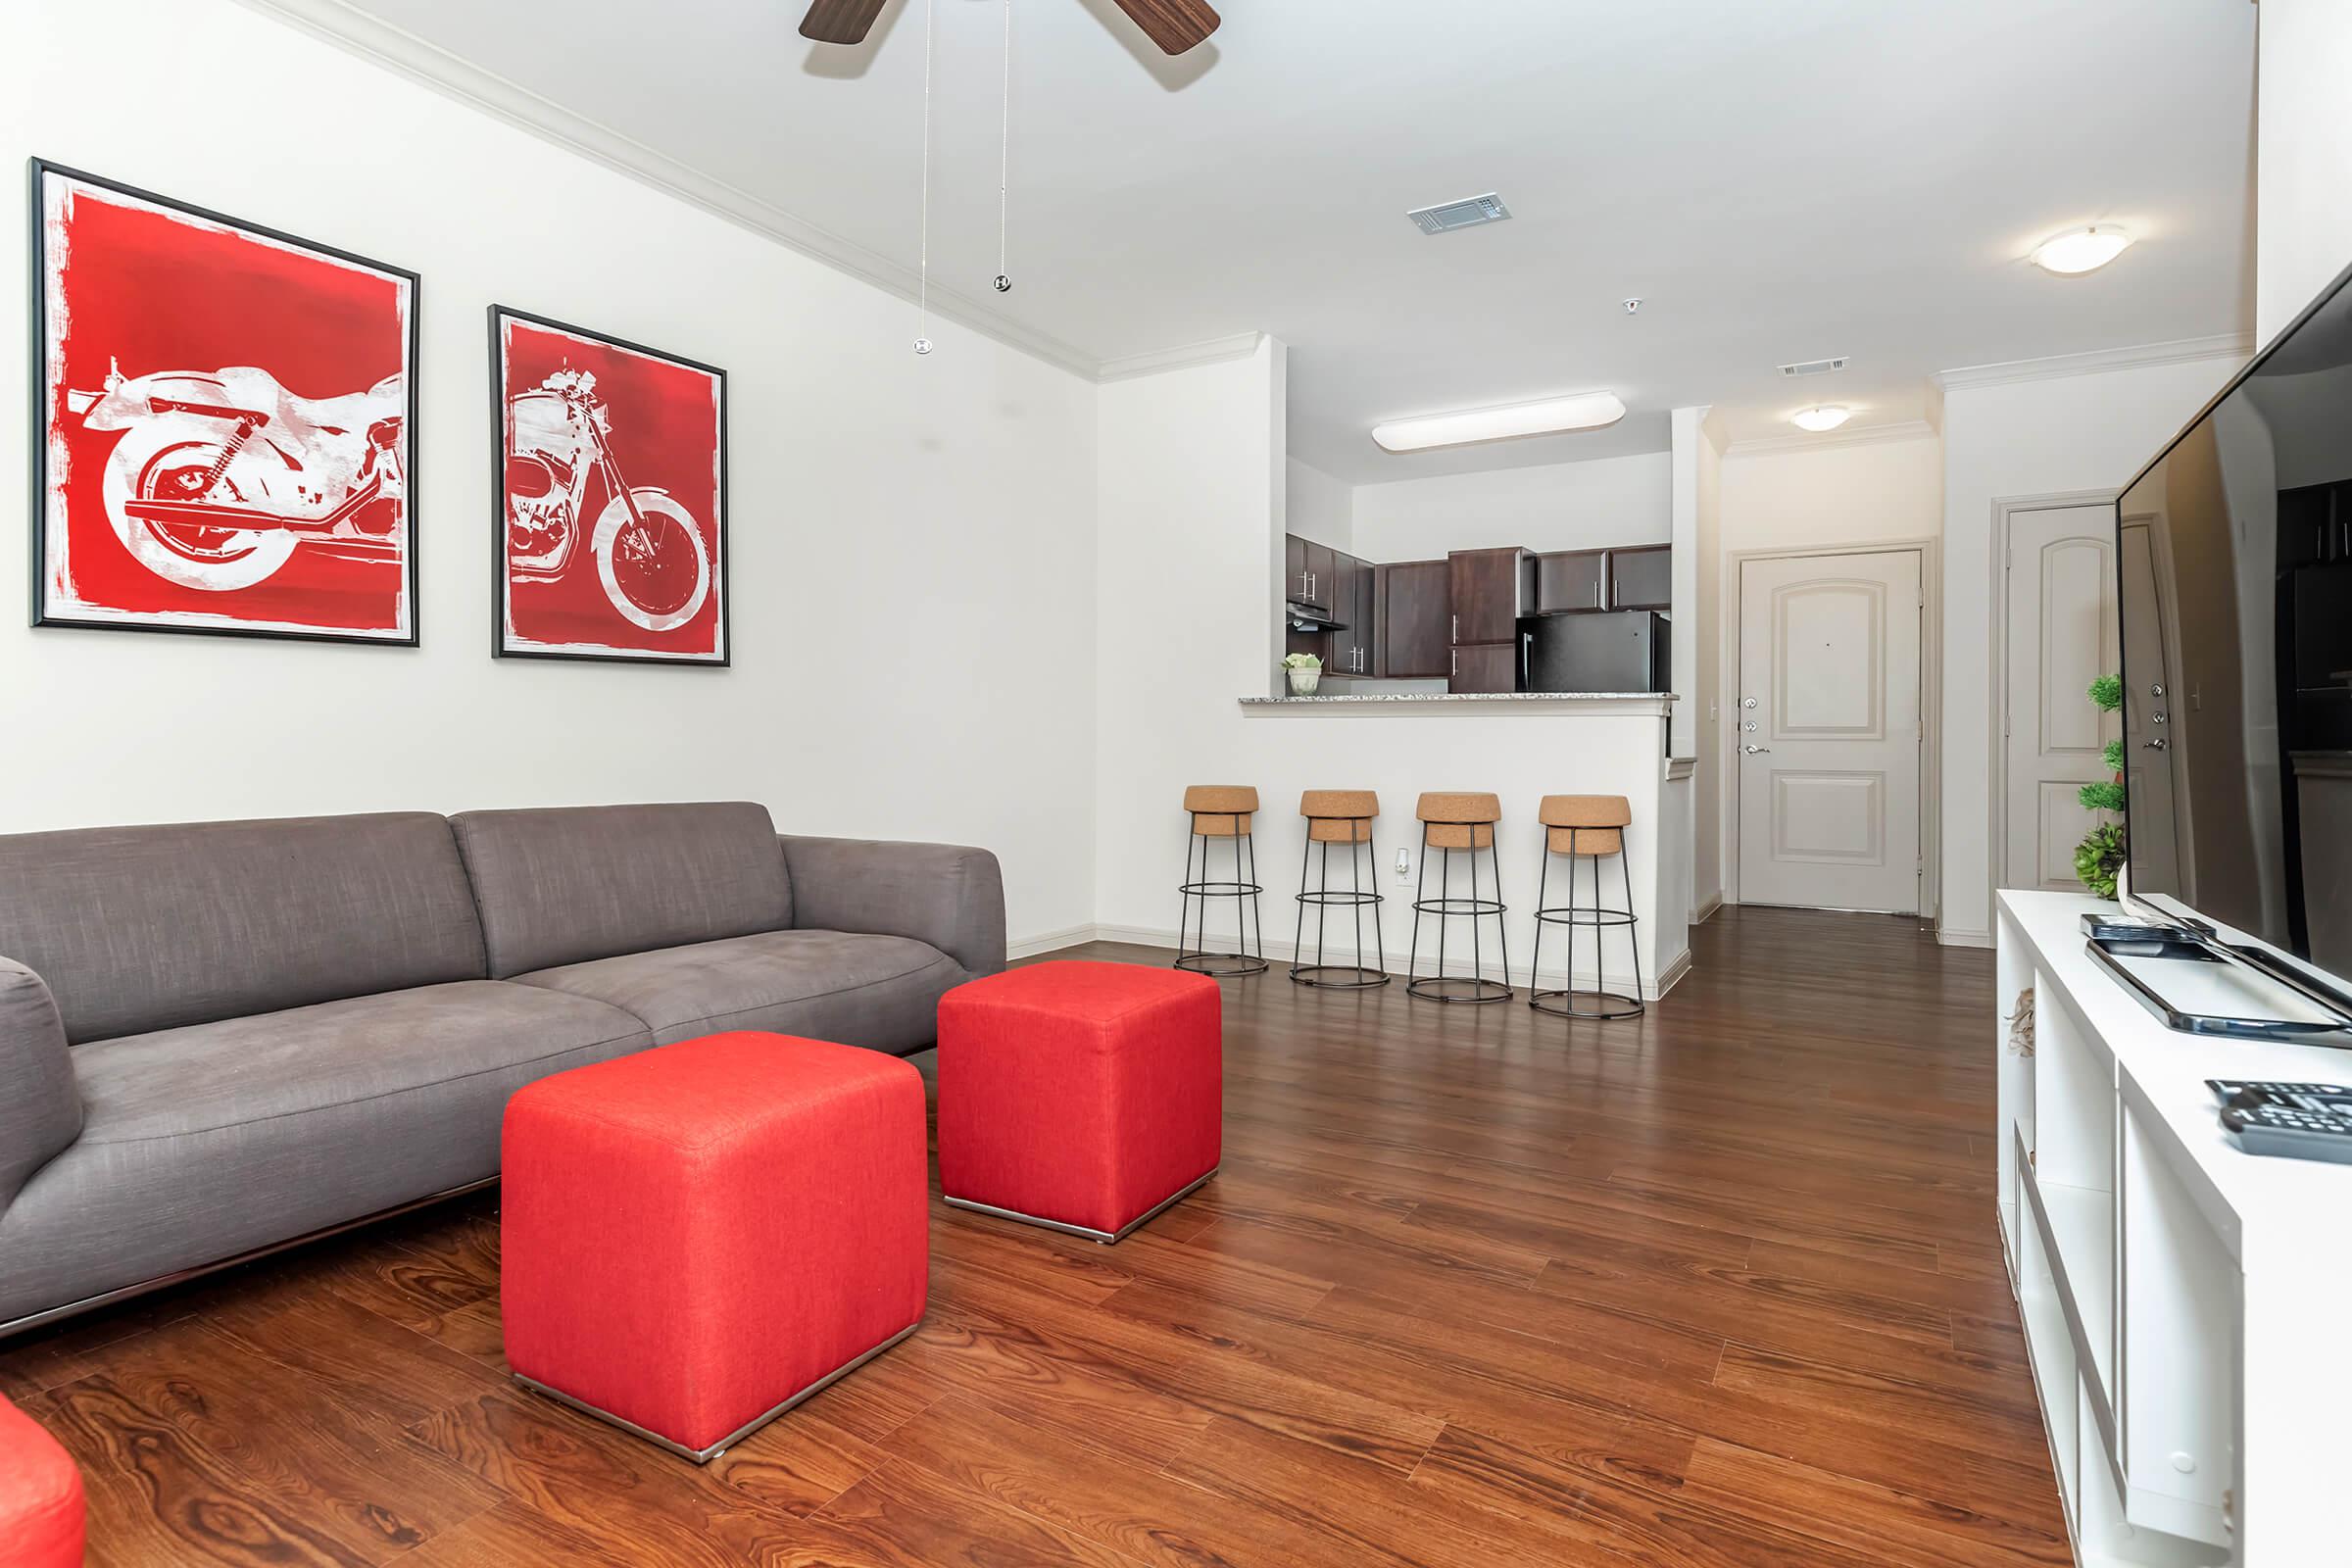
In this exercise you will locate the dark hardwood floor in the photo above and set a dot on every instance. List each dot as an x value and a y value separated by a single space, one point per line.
1717 1288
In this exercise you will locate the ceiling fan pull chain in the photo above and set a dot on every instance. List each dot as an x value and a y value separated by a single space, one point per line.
922 287
1004 165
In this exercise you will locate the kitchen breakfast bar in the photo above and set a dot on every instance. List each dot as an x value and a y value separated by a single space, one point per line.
1518 748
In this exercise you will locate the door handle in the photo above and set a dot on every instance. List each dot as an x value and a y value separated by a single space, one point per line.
1457 664
2157 745
1454 635
1755 751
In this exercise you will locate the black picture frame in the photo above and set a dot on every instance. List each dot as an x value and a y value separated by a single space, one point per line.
41 409
722 564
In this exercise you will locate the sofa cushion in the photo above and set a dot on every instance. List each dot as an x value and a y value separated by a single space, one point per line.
570 884
201 1143
143 928
878 992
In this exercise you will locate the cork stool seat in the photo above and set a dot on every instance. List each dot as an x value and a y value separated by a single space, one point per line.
1220 813
1589 827
1344 818
1451 823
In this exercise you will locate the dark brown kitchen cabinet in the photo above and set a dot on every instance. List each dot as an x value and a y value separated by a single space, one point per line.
1355 641
1480 669
1308 572
1571 579
1641 578
1415 630
1489 590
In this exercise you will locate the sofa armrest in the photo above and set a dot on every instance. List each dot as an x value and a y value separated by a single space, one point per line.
41 1112
943 894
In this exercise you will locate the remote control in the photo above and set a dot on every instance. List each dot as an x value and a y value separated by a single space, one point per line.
2295 1121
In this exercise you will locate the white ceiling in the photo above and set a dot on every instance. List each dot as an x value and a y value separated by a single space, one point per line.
1776 182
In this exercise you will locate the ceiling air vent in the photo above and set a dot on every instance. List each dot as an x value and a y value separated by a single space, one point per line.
1487 209
1815 366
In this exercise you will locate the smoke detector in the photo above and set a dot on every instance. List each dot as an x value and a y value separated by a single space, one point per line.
1450 216
1814 367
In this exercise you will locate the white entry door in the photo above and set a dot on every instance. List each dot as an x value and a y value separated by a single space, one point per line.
1828 731
2060 635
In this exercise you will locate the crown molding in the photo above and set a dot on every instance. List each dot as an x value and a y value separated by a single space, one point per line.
337 22
1216 351
1810 441
2227 345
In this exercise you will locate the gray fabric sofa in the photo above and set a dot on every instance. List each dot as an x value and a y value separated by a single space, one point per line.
216 1038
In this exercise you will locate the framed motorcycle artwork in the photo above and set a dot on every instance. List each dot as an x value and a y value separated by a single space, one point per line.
222 426
611 477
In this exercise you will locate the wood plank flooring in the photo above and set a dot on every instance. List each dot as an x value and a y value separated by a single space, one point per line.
1718 1288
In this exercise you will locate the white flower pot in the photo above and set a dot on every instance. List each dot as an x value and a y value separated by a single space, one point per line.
1304 681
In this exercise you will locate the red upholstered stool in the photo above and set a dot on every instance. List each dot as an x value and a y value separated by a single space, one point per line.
1084 1097
697 1238
40 1496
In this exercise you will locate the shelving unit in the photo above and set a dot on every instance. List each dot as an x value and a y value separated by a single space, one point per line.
2181 1302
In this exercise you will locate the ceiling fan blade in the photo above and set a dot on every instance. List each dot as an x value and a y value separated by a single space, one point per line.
840 21
1173 24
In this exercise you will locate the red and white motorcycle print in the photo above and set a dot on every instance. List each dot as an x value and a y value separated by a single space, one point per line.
650 555
219 478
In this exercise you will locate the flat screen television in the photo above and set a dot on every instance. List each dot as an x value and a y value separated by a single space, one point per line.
2235 568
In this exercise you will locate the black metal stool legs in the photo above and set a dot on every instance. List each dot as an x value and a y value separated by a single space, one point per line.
1243 886
1473 987
1356 976
1569 1001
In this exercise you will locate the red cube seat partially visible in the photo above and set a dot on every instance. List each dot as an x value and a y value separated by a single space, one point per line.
697 1237
40 1496
1084 1097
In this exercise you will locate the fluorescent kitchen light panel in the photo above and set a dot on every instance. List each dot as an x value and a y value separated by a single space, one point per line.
1587 410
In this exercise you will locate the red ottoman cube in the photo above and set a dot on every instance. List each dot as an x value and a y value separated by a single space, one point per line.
40 1496
697 1237
1084 1097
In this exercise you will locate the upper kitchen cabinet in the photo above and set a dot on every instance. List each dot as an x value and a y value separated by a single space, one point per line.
1355 641
1489 590
1572 579
1310 571
1643 578
1415 630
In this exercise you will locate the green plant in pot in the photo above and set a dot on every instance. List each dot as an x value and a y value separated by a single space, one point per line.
1306 671
2100 854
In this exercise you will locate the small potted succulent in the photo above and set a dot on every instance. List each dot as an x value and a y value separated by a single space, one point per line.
1306 671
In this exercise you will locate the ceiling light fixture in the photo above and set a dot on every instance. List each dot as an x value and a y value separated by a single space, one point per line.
1828 417
2082 250
1587 410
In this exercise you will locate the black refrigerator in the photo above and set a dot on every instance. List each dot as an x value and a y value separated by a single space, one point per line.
1614 651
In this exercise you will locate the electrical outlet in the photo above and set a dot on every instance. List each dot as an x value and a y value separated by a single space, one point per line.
1405 865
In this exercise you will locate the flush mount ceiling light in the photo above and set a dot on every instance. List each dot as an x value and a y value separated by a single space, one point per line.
1828 417
1587 410
2082 250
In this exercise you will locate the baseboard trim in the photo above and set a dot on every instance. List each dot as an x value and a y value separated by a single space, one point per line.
1946 937
1072 936
1709 908
1676 970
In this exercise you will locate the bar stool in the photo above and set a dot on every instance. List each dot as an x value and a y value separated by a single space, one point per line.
1451 823
1590 826
1221 811
1338 816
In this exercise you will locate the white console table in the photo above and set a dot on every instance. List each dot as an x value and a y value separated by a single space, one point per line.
2183 1303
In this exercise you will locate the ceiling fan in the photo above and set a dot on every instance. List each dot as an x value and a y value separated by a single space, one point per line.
1173 24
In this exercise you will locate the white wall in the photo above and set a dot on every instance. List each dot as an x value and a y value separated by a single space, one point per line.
912 540
2303 157
1704 695
2003 442
1561 505
1319 507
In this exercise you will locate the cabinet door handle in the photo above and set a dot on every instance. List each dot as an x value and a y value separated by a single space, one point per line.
1455 635
1457 664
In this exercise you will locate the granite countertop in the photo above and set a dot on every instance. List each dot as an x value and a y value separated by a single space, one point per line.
1661 698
